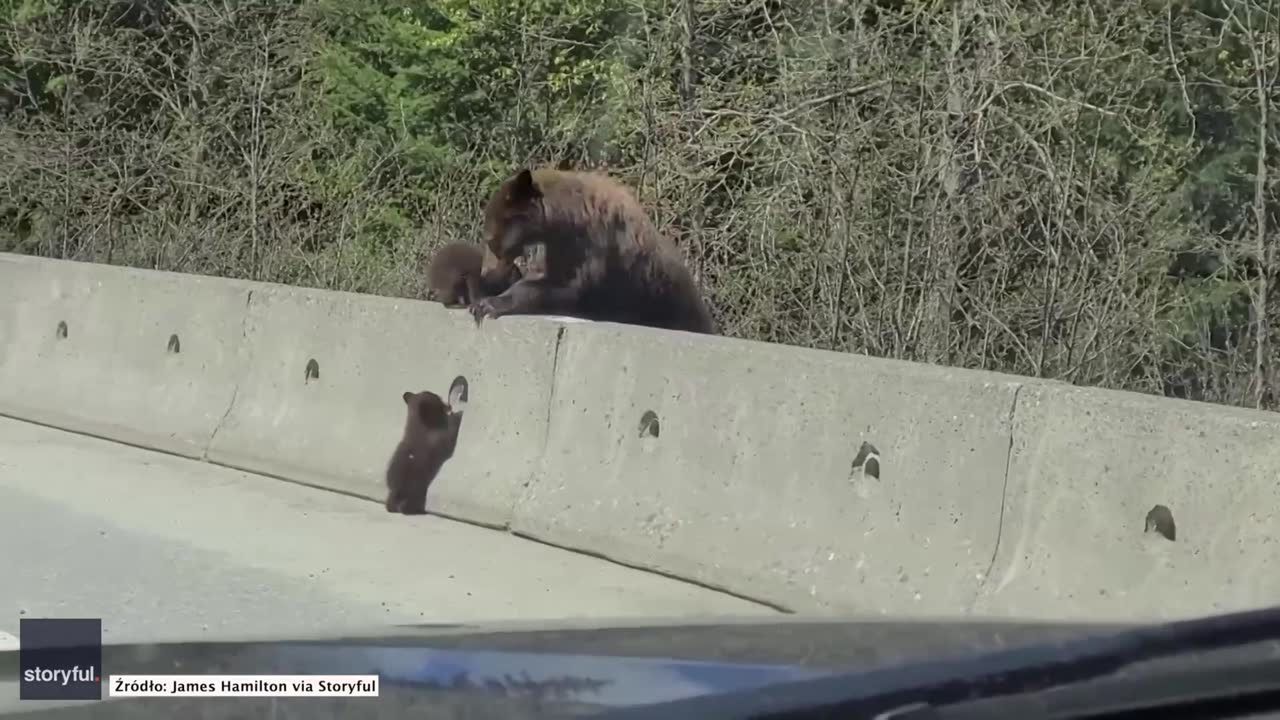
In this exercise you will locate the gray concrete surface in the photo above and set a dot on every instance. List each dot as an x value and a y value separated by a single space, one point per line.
1087 467
166 547
750 483
339 429
115 373
994 494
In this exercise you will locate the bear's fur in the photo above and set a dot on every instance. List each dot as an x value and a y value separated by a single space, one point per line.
454 279
604 259
430 435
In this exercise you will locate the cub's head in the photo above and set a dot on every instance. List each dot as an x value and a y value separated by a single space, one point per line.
427 410
448 269
511 219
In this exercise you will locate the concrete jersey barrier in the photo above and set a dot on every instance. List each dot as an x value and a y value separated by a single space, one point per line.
761 476
993 496
298 383
142 357
322 401
1090 466
818 481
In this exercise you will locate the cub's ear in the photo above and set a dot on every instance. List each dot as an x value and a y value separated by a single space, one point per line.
523 187
407 397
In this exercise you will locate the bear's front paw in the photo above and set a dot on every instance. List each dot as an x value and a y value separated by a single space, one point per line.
484 308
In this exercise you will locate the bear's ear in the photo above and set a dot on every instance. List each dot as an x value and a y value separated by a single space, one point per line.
407 397
523 188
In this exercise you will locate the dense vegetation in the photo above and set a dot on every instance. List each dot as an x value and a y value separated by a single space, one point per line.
1074 189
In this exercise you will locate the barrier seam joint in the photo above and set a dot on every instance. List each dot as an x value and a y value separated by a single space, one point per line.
536 470
235 389
1004 495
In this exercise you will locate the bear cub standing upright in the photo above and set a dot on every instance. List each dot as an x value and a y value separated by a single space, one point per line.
604 258
430 435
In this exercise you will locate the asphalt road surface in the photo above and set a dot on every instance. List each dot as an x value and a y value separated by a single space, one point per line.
162 547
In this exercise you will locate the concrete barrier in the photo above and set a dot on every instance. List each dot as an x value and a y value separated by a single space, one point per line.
818 481
758 478
1088 466
146 358
322 402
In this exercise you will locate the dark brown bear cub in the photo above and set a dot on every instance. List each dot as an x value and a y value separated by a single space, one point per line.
604 258
453 276
430 434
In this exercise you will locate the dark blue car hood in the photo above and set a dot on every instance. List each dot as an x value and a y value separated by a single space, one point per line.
448 671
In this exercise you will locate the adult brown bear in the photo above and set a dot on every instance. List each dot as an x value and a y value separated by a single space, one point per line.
604 259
